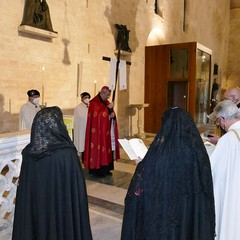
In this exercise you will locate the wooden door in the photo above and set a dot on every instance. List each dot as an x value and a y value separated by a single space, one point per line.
177 94
168 81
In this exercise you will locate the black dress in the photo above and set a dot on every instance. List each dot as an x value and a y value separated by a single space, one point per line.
51 202
170 196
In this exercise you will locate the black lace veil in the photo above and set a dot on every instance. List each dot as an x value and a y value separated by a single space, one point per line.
48 133
175 167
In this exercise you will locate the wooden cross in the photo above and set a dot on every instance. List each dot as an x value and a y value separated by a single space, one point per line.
117 68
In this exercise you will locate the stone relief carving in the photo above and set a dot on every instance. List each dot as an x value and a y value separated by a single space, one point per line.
123 38
37 14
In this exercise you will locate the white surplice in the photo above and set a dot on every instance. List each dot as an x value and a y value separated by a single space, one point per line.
27 114
225 163
79 126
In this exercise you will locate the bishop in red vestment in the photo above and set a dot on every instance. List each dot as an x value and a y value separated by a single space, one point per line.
101 144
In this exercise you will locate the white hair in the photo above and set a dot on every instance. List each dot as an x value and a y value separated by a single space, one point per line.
227 109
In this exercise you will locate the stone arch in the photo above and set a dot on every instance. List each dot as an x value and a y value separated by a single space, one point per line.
155 37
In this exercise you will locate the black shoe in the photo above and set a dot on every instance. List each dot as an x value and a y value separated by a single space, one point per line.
109 173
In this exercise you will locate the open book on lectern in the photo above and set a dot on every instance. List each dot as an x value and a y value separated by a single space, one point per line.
134 148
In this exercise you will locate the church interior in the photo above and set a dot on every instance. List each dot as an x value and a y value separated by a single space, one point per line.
176 51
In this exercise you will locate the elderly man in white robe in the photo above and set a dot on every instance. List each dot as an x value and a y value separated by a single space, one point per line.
80 122
29 110
225 163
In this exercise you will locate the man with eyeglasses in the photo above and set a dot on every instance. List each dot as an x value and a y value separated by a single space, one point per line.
225 164
232 94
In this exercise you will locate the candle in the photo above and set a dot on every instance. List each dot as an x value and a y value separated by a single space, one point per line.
43 68
95 87
10 105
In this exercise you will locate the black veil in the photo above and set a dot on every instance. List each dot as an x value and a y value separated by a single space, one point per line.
51 200
171 193
48 133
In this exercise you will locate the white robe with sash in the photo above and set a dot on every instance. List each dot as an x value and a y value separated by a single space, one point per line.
225 163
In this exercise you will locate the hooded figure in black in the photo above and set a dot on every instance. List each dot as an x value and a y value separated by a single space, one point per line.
51 202
170 196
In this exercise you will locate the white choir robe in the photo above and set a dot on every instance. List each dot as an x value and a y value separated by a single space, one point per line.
27 114
79 126
225 163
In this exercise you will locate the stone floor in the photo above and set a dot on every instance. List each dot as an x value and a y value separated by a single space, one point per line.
106 200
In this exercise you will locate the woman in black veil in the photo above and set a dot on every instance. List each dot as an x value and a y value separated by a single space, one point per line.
51 202
170 196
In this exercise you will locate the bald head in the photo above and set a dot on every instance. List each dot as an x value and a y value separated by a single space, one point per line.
233 94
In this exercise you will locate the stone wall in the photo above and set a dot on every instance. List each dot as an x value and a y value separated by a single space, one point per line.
72 62
232 76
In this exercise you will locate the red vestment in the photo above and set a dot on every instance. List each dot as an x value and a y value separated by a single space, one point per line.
98 149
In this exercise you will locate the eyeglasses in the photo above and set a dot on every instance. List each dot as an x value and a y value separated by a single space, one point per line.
217 121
